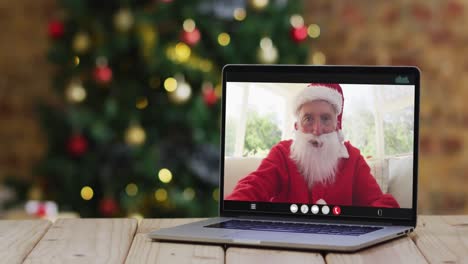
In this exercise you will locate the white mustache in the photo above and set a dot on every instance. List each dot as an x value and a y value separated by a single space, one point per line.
316 141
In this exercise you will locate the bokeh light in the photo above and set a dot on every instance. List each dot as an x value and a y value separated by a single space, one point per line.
87 193
165 175
224 39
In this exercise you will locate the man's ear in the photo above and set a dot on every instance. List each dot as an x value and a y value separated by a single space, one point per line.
295 125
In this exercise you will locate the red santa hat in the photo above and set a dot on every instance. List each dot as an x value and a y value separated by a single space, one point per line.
330 92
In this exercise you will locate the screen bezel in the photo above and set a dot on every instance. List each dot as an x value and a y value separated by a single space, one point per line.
322 74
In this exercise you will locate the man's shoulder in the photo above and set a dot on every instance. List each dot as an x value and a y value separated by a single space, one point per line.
283 146
352 150
285 143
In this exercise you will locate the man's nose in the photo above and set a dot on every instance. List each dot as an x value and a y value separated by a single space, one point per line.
316 129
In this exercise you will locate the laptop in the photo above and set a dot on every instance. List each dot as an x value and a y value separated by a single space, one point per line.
270 195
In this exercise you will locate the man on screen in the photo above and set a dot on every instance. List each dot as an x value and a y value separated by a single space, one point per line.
317 167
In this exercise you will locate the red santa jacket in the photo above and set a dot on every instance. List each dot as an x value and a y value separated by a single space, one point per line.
277 179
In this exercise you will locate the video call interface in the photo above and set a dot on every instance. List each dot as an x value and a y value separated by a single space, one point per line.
286 156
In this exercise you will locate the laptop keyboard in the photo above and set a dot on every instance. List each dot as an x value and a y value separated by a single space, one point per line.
329 229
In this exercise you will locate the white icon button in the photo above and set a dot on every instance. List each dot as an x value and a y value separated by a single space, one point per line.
325 210
314 209
304 209
293 208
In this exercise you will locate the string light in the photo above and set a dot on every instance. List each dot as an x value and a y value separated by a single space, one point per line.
142 103
239 14
81 42
136 216
182 52
318 58
165 175
266 43
219 90
188 194
170 84
296 21
75 92
313 31
87 193
131 189
189 25
259 4
267 52
160 195
216 194
182 93
135 135
224 39
206 65
123 20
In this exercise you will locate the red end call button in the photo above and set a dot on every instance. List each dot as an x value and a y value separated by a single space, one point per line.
336 210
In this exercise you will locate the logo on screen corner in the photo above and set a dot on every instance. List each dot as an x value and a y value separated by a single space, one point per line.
402 79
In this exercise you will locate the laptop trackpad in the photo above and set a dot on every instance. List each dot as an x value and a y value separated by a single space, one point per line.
254 237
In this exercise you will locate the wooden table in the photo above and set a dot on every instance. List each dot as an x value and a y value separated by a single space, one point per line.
438 239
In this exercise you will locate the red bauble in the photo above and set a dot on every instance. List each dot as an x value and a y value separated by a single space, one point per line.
77 145
299 34
191 38
56 29
209 96
102 74
108 207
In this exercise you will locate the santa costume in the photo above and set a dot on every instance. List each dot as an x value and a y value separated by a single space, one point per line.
278 178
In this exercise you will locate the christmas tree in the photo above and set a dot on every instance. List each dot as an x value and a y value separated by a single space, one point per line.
138 129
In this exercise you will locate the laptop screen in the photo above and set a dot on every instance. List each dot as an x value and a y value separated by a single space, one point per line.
320 142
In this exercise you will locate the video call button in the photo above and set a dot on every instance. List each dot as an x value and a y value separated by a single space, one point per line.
293 208
325 210
304 209
336 210
314 209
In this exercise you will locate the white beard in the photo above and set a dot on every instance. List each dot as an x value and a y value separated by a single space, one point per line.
317 164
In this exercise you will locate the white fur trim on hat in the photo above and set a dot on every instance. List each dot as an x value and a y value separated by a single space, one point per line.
319 93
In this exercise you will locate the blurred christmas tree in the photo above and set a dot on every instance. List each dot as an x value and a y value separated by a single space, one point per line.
138 129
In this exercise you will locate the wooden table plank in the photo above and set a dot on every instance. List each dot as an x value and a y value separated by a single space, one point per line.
85 241
443 239
144 250
18 238
256 256
148 225
401 250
